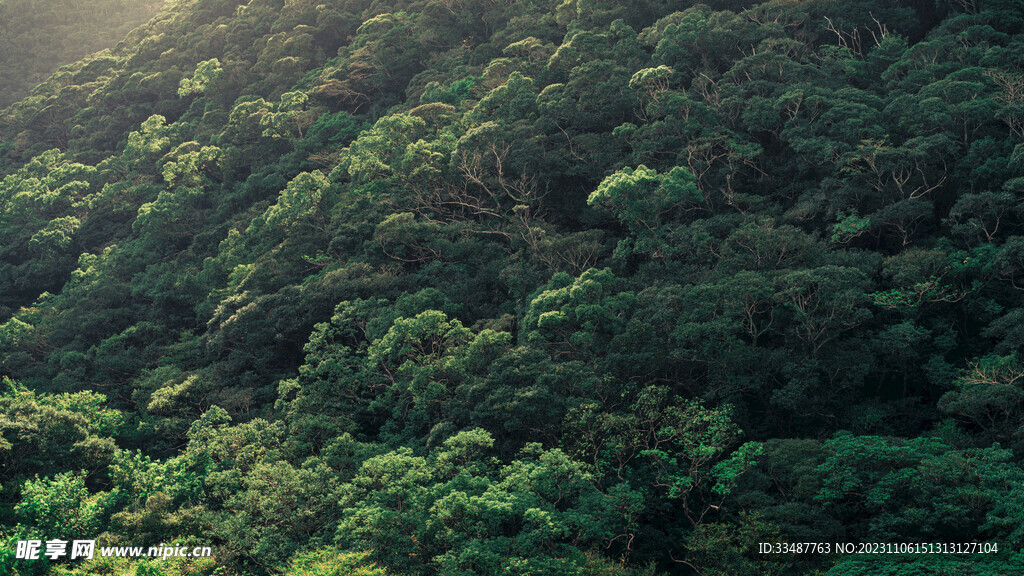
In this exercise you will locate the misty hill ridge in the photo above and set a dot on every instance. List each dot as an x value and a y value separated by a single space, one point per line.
37 37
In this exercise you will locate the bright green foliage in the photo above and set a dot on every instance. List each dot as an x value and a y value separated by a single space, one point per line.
289 118
459 510
516 99
147 567
190 165
462 287
57 235
374 153
206 73
577 316
642 200
42 207
299 202
40 432
147 144
62 507
331 562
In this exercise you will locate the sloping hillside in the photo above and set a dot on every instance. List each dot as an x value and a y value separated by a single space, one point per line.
467 287
39 36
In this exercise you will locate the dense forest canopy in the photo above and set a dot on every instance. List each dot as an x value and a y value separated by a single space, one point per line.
535 287
38 36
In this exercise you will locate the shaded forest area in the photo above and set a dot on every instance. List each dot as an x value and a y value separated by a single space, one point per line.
39 36
537 287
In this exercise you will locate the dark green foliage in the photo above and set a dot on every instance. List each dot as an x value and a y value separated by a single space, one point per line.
461 288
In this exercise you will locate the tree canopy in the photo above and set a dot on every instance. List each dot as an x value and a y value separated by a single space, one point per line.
465 288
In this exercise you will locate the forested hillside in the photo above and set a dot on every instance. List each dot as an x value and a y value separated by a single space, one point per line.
529 288
38 36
